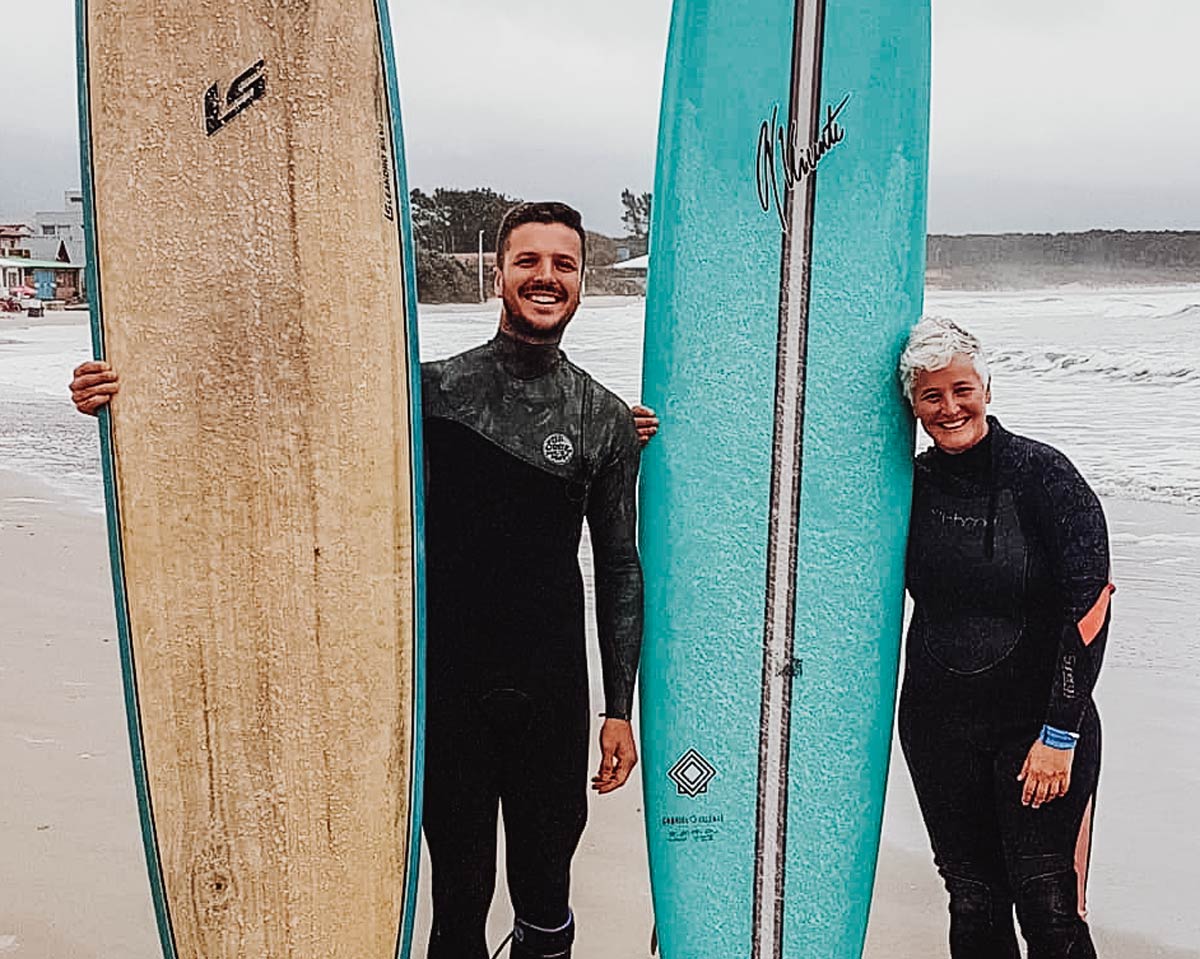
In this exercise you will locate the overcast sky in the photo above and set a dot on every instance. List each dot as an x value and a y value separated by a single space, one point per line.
1047 114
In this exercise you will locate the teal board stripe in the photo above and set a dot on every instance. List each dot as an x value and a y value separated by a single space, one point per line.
112 504
732 706
417 768
778 676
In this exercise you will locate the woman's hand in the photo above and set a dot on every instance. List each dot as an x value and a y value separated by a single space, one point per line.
1046 774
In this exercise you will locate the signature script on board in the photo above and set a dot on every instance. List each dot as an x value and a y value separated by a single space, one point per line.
779 146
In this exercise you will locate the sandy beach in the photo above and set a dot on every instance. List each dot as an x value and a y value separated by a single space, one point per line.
72 872
72 878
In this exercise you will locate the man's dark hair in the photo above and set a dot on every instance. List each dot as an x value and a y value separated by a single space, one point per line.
544 212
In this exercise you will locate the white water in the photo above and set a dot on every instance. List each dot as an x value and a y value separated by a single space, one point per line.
1111 377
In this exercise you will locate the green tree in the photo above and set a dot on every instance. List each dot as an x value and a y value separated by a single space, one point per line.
637 213
430 225
449 221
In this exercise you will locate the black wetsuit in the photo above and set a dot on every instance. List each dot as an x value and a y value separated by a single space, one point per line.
1008 556
521 446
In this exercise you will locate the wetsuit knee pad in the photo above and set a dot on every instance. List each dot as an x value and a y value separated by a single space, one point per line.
972 900
1048 907
981 920
534 942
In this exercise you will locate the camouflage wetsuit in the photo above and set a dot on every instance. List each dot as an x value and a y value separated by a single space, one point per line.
521 446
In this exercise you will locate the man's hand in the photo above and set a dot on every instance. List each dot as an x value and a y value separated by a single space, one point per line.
618 755
94 385
645 421
1046 774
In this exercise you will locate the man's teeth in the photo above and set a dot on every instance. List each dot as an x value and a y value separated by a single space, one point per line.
545 298
954 425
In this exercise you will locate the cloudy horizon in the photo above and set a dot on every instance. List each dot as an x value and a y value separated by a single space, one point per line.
1045 119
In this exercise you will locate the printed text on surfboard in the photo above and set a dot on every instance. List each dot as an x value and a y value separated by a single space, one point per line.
779 146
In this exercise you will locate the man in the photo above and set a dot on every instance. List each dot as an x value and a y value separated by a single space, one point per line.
520 447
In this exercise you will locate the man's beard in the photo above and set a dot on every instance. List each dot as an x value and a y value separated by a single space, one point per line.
520 324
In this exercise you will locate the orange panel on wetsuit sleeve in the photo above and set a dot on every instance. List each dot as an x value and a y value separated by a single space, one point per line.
1093 621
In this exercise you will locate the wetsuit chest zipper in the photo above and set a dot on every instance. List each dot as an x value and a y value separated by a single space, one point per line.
579 489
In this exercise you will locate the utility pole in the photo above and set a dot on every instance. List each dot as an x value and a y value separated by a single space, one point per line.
482 298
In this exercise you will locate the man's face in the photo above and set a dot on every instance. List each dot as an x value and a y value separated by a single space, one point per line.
539 279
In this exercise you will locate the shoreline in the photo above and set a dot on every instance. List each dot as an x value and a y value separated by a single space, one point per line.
934 284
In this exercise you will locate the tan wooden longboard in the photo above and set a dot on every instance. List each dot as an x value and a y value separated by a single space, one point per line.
251 285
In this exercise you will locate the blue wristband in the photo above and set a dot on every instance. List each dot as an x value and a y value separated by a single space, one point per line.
1058 738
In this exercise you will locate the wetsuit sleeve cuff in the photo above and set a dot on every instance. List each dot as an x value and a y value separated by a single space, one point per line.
1059 738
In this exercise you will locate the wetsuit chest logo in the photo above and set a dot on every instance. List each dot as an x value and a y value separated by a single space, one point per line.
558 449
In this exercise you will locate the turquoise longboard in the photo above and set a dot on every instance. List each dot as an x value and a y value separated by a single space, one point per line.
251 281
786 268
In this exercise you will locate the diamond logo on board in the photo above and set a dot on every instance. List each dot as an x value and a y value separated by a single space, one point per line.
692 774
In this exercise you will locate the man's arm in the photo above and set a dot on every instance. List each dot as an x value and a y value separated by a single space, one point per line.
612 522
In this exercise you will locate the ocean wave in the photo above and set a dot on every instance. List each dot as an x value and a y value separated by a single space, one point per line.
1121 309
1137 488
1129 367
1189 312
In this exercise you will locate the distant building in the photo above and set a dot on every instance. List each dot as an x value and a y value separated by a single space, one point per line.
12 237
66 224
11 275
57 237
639 266
45 248
44 264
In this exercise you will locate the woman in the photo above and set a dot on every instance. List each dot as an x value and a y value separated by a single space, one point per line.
1008 569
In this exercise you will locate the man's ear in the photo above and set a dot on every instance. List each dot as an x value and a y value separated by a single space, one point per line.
497 282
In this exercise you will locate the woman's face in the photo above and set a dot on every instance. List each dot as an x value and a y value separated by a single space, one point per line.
951 404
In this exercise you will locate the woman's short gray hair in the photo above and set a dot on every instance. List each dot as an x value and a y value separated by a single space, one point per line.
932 345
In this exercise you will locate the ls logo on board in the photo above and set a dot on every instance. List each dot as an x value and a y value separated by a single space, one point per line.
250 86
779 146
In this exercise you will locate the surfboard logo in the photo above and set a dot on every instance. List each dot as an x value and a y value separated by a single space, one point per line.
558 449
385 172
251 85
779 146
692 774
